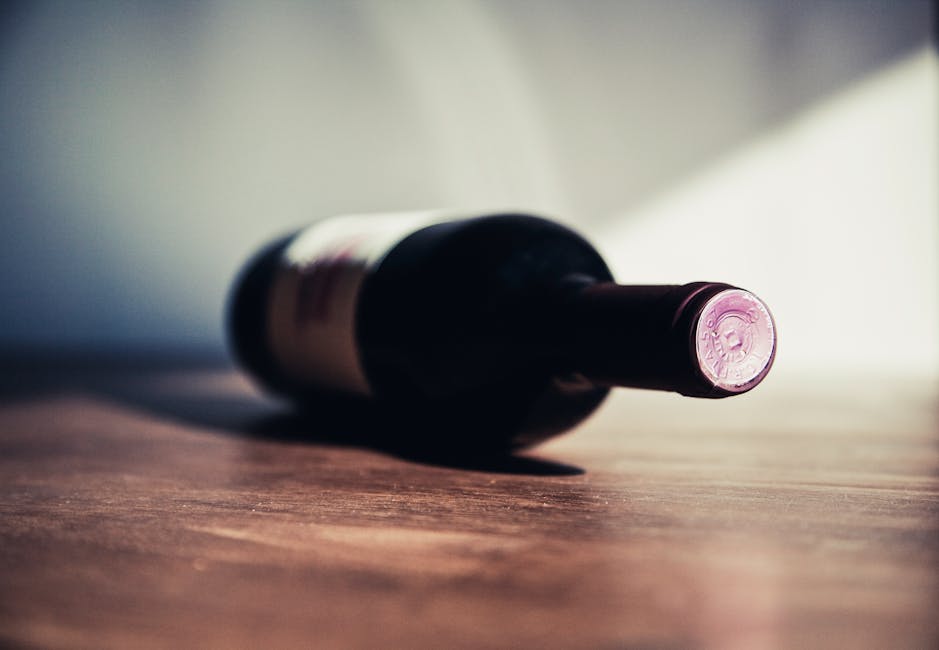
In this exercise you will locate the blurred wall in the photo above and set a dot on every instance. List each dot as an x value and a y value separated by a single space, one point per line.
147 148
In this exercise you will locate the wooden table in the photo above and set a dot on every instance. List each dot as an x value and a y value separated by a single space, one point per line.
170 506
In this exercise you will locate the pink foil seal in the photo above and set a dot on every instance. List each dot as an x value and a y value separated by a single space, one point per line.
735 340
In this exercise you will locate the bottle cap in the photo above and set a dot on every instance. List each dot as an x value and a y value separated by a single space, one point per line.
735 340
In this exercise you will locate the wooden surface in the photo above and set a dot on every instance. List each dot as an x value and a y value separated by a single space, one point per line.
172 507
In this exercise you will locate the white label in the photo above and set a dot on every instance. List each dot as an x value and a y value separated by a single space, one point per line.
315 294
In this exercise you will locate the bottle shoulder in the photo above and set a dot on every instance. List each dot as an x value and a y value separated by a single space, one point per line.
452 309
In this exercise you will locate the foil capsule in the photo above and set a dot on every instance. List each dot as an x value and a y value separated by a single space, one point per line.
735 340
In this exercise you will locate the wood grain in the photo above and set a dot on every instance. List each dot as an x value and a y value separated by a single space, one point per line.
173 507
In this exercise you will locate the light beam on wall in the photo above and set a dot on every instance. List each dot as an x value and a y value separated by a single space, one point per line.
833 219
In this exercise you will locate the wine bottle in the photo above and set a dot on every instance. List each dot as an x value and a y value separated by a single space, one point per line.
484 331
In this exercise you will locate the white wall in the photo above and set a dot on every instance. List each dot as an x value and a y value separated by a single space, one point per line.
148 147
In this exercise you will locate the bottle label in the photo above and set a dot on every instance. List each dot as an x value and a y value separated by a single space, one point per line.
315 294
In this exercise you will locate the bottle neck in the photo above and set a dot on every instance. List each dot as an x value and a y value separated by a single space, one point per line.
645 336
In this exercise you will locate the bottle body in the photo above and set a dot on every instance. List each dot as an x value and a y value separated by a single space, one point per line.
494 330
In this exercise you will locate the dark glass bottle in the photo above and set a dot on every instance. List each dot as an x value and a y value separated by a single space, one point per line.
491 331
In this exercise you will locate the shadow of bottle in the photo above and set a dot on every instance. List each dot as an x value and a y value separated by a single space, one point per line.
434 437
430 437
424 438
